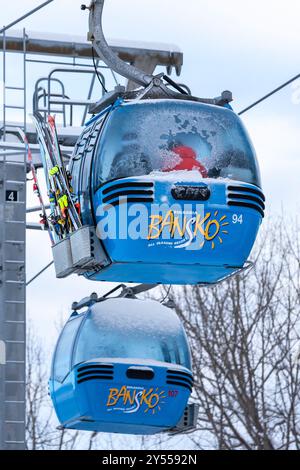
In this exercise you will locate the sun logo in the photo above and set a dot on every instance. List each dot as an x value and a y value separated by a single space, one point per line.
215 229
154 402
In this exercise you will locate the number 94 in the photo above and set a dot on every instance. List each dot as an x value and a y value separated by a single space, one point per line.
237 219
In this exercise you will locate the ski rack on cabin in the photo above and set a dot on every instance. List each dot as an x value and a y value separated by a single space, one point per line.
75 247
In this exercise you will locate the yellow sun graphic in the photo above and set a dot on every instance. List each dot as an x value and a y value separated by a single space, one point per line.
215 229
156 400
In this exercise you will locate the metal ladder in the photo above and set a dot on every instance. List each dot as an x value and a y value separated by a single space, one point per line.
12 301
10 88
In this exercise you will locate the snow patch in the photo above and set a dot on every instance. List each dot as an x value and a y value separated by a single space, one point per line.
136 315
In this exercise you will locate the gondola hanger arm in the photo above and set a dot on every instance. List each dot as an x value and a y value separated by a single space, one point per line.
112 60
126 292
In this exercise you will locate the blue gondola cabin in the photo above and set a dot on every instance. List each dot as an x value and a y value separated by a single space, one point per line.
173 187
122 366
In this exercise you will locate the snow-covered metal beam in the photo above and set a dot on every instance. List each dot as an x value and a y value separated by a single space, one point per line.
62 45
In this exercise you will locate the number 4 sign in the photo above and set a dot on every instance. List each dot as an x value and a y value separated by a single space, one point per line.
12 196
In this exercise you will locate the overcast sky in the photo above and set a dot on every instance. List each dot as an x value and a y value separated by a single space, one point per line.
248 47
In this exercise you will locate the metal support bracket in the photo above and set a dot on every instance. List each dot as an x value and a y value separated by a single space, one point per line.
126 292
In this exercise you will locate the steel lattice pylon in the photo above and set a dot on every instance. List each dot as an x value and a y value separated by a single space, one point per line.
12 303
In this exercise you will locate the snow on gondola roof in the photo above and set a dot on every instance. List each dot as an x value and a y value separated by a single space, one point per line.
140 314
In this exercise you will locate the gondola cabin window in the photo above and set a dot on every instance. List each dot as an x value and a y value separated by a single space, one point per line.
168 135
63 353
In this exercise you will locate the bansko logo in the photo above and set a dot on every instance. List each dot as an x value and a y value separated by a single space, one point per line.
177 226
132 399
194 230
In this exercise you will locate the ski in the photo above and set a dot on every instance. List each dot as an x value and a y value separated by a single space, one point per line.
57 175
47 165
36 186
61 165
65 218
54 136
